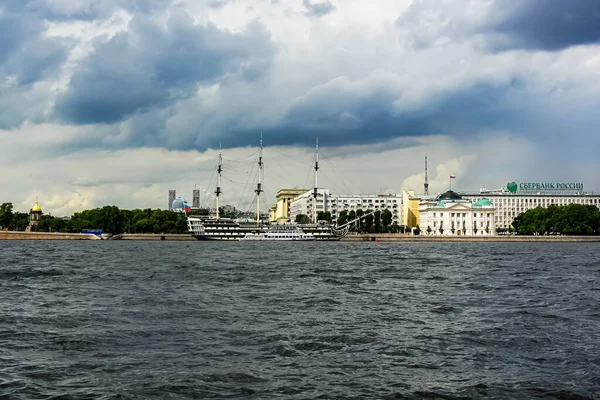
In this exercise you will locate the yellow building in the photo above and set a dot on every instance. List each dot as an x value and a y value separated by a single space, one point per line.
284 199
410 209
273 213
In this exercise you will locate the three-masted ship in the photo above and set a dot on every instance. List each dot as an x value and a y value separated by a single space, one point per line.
217 228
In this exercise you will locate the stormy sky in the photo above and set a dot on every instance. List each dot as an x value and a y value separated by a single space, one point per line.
115 102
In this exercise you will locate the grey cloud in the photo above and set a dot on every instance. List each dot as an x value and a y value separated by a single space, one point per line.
318 9
545 25
503 25
150 66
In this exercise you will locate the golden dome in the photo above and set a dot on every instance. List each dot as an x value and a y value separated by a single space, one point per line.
36 208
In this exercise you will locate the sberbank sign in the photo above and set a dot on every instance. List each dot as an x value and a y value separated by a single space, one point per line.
513 187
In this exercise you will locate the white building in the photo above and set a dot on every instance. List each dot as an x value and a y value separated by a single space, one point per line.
516 198
373 202
335 204
451 215
304 204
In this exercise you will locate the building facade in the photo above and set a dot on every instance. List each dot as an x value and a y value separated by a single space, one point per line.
305 204
452 215
410 209
511 201
373 202
282 210
196 198
172 198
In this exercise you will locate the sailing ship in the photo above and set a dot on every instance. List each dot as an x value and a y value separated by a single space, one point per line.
218 228
280 232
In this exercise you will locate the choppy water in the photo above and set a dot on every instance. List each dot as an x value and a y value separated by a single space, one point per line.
168 320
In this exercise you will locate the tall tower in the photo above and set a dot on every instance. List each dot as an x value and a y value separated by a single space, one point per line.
196 198
426 184
171 199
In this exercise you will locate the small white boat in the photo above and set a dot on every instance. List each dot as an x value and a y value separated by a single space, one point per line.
280 232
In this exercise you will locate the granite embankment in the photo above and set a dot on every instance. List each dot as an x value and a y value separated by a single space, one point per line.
391 237
13 235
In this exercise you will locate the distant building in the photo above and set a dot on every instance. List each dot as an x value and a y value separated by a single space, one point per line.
196 198
517 198
410 209
373 202
452 215
304 204
285 197
34 217
180 205
172 198
335 204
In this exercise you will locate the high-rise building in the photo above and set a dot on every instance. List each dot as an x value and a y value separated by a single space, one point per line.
196 198
172 198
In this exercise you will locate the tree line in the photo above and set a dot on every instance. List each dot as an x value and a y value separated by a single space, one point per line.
378 222
110 219
572 219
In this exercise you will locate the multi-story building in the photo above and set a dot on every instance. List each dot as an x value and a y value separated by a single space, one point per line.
305 203
172 198
373 202
285 197
516 198
196 198
452 215
335 204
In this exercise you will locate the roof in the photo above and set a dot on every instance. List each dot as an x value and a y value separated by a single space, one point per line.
482 203
36 208
449 195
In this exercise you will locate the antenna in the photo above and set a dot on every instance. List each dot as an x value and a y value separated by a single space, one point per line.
259 189
426 184
219 170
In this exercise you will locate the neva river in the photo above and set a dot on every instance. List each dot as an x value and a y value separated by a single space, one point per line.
183 320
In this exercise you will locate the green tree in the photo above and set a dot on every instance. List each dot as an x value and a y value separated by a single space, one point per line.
441 229
428 230
302 219
368 225
19 221
6 215
394 228
417 230
324 216
452 228
358 224
343 218
386 219
377 222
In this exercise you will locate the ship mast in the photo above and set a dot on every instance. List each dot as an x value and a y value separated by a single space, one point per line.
426 183
259 188
219 169
315 194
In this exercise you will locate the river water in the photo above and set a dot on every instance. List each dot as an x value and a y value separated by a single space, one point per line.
183 320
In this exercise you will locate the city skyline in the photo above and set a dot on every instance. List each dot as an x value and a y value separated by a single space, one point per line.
490 92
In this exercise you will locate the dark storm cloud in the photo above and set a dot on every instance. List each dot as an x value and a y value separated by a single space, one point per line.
545 25
25 51
318 9
152 66
371 118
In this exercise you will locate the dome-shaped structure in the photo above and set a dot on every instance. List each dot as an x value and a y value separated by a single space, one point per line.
36 208
482 203
178 204
449 195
